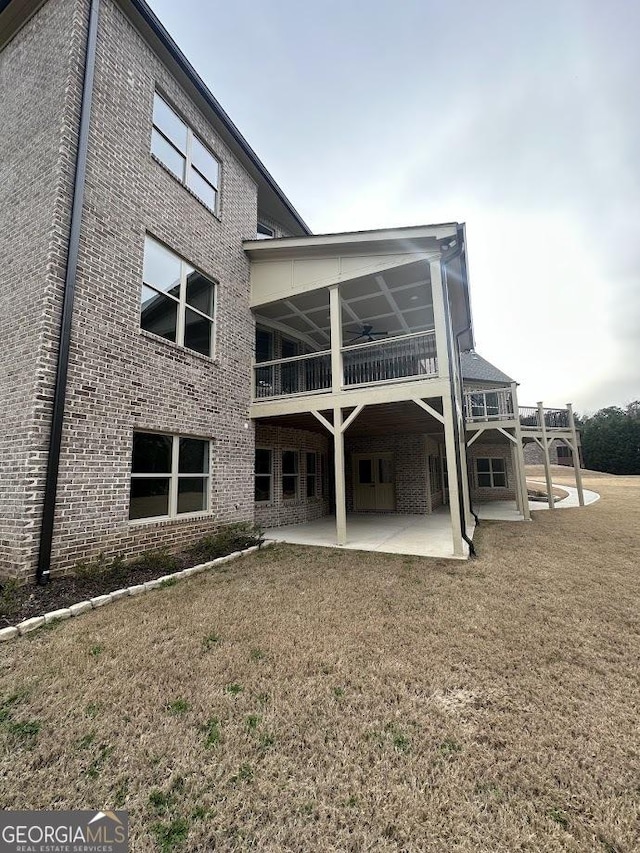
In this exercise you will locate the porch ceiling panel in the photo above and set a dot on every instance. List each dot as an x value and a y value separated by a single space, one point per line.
280 279
397 301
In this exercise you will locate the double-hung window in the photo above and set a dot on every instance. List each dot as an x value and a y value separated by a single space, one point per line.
312 475
290 474
177 300
263 475
179 149
491 473
169 476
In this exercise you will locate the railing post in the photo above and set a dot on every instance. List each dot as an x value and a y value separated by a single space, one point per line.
547 461
335 309
576 454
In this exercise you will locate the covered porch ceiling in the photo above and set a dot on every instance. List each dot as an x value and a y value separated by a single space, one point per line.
393 302
383 419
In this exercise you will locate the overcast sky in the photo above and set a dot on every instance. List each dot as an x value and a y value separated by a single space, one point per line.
521 119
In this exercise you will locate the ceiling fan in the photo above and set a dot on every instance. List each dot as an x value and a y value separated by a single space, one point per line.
366 332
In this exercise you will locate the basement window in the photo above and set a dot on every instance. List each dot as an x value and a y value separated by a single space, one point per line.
312 475
169 476
491 473
179 149
290 475
263 475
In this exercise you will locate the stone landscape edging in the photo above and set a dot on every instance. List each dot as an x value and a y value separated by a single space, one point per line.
33 623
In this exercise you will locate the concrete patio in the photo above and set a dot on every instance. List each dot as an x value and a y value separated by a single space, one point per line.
390 533
419 535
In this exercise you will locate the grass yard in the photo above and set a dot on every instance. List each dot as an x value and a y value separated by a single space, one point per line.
319 700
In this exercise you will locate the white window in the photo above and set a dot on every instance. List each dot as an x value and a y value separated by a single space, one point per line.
491 473
169 476
263 475
312 475
264 232
176 145
177 301
290 475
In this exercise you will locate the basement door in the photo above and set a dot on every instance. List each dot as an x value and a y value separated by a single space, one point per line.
373 480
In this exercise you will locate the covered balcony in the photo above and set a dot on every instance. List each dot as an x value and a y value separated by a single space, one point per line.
387 334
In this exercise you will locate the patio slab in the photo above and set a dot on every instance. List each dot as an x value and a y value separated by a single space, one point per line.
418 535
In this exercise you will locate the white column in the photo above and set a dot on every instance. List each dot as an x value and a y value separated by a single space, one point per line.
452 475
516 477
335 310
547 461
341 493
521 473
439 318
576 454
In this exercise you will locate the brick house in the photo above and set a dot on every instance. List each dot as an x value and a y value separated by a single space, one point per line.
180 350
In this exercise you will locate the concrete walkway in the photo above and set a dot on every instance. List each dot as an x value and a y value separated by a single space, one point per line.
389 533
506 510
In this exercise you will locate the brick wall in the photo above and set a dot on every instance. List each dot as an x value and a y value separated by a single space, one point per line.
279 511
40 91
120 378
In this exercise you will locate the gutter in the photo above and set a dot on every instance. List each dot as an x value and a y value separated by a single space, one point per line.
60 389
455 253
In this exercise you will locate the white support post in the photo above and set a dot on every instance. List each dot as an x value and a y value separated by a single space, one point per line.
452 476
335 311
516 476
576 454
547 461
341 494
521 474
440 318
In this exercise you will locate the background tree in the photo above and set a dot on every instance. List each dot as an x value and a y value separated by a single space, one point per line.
611 439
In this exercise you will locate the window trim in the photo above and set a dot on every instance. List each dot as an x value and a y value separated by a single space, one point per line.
186 155
295 451
491 472
270 475
182 303
173 476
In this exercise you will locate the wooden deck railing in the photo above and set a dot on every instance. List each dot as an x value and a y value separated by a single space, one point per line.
399 358
496 404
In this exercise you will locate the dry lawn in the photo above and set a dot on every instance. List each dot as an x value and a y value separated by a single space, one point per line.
317 700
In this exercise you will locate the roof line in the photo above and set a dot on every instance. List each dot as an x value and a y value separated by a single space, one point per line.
159 30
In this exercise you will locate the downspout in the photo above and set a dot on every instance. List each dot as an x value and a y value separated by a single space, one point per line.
57 416
464 422
457 251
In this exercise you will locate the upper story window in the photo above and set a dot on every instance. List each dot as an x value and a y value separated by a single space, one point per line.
176 145
264 232
177 300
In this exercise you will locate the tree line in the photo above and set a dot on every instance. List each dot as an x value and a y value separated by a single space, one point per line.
611 439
